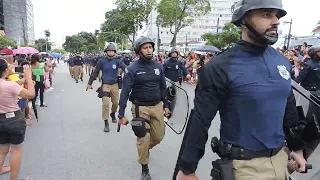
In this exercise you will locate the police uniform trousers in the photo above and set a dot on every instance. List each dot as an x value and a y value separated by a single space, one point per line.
77 72
111 91
265 168
155 123
71 70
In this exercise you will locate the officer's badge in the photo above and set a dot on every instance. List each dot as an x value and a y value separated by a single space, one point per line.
114 66
177 67
157 71
283 72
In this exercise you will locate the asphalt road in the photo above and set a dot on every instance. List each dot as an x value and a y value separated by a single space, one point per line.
68 143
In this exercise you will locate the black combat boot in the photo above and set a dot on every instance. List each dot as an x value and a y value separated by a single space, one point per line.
106 126
145 175
113 116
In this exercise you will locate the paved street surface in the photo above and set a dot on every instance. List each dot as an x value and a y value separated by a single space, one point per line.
68 143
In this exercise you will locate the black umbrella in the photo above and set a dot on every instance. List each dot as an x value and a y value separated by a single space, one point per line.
35 111
208 48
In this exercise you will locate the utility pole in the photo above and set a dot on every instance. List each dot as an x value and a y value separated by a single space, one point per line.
186 42
158 34
218 21
176 23
289 35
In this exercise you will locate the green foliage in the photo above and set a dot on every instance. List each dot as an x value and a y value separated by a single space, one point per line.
6 42
317 27
180 13
41 45
125 21
230 35
82 42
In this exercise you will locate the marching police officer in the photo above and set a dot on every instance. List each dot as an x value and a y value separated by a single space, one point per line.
250 85
309 75
109 66
145 80
71 65
172 67
78 68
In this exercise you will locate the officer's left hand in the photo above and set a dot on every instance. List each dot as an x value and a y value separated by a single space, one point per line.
188 77
298 157
166 112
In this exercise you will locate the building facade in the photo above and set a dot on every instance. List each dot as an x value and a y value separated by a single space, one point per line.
18 20
212 22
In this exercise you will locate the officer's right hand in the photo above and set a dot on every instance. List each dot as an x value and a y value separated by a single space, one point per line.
89 87
123 121
182 176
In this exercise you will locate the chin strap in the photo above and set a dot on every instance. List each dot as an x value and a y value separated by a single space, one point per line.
263 39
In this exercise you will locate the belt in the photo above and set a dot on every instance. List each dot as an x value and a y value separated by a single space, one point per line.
146 103
10 114
238 153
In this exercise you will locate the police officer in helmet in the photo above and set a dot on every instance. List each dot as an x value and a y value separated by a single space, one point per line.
309 75
109 66
145 86
250 85
172 67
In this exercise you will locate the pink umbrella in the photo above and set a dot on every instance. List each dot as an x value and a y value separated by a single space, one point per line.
25 50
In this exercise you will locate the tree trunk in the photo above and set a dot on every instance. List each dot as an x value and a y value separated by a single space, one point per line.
173 42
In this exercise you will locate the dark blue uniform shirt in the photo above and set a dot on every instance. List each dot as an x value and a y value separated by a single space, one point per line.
172 69
250 86
78 61
71 61
109 67
309 75
146 81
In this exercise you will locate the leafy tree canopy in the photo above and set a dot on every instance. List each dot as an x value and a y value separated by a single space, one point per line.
6 42
230 35
81 42
180 13
126 20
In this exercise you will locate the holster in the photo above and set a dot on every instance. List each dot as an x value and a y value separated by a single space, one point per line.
100 92
138 124
119 82
222 169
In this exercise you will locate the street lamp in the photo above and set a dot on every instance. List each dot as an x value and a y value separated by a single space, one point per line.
218 22
158 22
47 34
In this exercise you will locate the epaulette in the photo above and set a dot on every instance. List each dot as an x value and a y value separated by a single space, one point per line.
223 50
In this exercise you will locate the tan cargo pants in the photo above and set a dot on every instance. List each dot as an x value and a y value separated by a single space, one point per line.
77 72
155 117
113 90
266 168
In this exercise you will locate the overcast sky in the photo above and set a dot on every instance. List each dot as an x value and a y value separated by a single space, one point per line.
68 17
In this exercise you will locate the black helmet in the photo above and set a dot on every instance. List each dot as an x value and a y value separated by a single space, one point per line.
313 50
141 41
172 50
111 47
240 8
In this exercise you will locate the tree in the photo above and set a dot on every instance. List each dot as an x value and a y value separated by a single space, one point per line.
81 42
177 14
317 27
228 36
125 21
6 42
73 44
41 44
